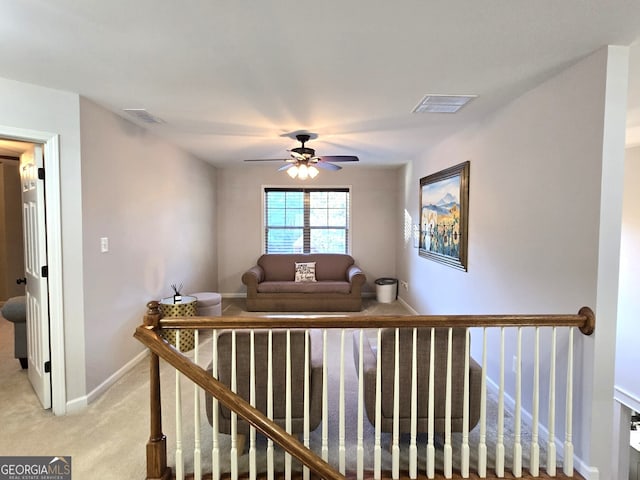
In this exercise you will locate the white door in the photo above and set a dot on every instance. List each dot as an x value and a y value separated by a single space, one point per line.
35 263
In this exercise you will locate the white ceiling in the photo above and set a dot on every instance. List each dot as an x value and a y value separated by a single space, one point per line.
231 78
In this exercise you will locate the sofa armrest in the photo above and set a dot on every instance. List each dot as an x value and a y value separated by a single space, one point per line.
356 278
252 277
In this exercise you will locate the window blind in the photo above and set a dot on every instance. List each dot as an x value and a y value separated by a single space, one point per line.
306 220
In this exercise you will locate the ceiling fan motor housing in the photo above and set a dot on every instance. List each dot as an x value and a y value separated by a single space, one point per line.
307 152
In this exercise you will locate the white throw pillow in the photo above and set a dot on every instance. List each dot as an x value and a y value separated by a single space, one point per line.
306 272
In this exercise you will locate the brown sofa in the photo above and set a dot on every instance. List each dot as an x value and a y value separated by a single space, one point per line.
271 285
387 361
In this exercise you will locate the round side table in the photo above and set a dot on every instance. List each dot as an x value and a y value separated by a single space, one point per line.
186 307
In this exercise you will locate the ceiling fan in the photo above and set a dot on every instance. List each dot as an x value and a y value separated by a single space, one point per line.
303 161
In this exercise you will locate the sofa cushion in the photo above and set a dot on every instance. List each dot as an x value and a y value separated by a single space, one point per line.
305 272
304 287
282 267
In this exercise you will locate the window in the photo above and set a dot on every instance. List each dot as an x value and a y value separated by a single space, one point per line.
306 220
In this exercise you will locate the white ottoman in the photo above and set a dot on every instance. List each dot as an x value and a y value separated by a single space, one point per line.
209 304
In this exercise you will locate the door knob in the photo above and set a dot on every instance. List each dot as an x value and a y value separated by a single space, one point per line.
21 280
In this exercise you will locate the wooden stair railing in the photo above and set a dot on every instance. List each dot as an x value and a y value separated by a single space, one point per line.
148 334
156 447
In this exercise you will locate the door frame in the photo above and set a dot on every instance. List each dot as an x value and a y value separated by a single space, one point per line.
51 149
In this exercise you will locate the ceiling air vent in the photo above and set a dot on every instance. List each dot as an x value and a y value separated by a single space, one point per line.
144 116
432 103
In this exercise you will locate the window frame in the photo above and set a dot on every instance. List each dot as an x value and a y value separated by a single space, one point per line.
323 188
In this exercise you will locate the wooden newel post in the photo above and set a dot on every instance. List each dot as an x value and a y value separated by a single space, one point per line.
157 445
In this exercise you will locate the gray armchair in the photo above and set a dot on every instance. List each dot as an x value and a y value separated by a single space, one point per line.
15 311
387 350
243 365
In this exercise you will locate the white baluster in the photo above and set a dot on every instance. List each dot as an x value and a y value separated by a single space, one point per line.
413 449
568 444
431 450
360 427
551 444
270 459
534 467
307 376
215 431
482 444
325 400
395 441
341 413
517 445
234 415
252 401
464 449
500 440
179 453
287 420
377 449
448 451
197 453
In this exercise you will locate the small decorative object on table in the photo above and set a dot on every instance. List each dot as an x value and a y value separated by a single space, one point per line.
177 296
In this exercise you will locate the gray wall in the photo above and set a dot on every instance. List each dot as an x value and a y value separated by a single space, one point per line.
156 204
536 242
374 216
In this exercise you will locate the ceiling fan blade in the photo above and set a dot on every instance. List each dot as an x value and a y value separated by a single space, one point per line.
286 167
339 158
327 166
268 160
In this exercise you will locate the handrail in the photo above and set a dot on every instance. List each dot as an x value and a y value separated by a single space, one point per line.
204 380
584 320
153 322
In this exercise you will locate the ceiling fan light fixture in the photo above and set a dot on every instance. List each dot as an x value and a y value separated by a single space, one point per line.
303 172
313 171
293 171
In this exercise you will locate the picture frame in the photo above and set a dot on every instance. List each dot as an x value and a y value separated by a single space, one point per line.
444 216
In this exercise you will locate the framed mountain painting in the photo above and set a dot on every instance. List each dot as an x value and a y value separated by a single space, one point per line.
444 216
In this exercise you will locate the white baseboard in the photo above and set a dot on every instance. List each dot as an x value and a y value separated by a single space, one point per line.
408 307
81 403
588 472
77 404
233 295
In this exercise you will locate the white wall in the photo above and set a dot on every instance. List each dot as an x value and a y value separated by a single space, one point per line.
375 221
534 227
628 336
156 205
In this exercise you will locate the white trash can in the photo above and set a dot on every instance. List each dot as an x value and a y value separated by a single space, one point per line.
386 289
